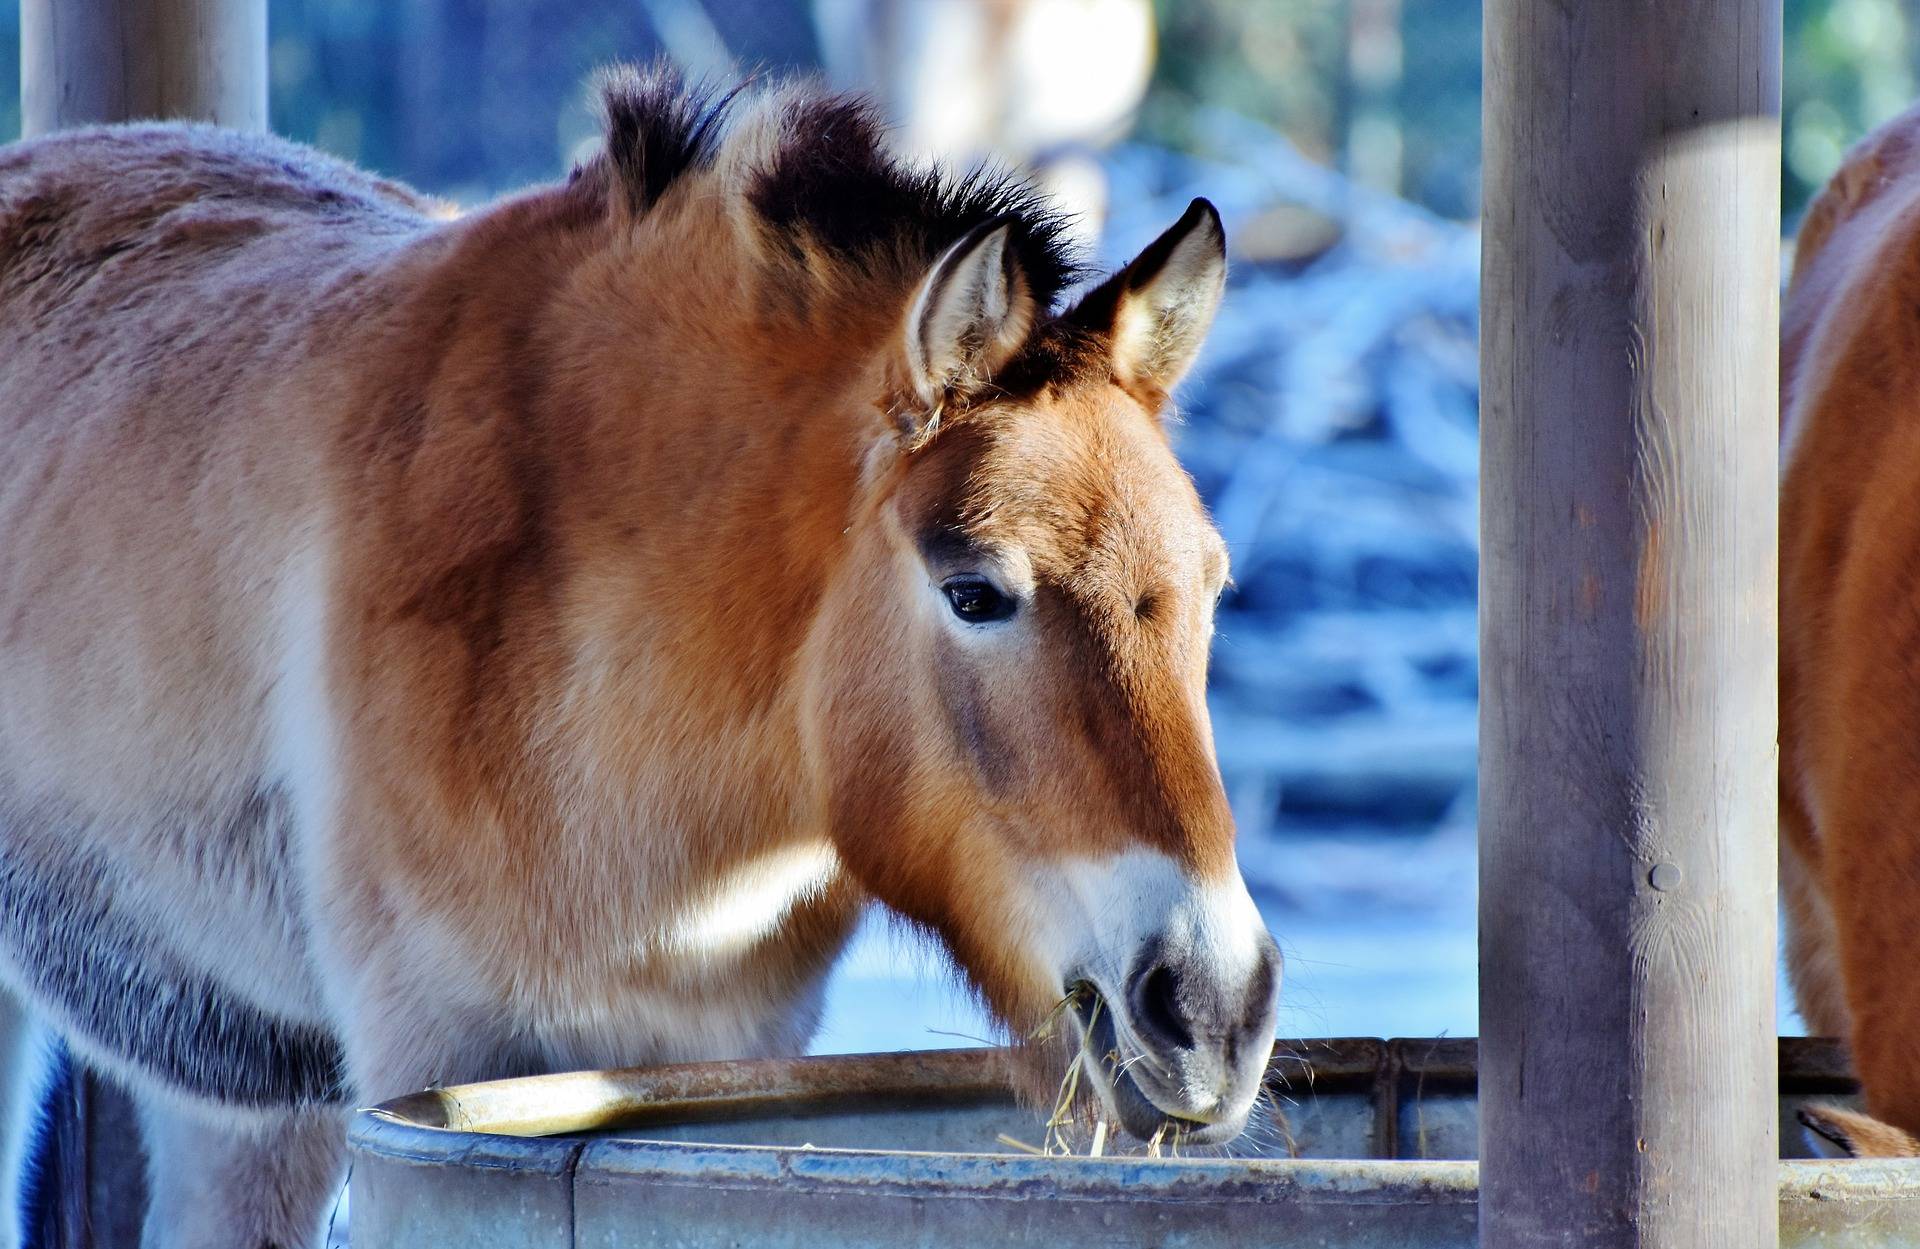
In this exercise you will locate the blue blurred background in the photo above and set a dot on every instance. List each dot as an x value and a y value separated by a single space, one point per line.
1331 424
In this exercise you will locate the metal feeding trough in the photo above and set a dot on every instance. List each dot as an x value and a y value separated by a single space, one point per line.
1370 1146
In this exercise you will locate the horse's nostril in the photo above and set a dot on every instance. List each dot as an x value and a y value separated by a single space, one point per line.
1266 988
1156 1007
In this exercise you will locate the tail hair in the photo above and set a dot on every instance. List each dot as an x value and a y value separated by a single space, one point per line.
1837 1132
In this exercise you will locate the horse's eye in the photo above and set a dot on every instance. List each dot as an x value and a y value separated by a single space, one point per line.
976 600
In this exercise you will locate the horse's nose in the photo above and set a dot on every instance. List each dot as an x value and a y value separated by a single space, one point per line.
1180 1003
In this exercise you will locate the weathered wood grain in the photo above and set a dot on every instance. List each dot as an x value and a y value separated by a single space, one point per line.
1628 709
87 61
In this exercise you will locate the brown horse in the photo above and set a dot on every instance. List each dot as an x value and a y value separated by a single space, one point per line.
1850 632
436 648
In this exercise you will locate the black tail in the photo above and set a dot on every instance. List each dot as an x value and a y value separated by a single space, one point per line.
37 1188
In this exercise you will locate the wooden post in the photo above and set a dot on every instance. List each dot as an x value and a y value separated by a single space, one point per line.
86 61
1627 595
99 1167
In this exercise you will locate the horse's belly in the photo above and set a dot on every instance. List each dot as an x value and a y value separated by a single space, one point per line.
189 970
223 891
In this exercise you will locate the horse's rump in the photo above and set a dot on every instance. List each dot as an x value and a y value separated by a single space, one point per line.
1850 619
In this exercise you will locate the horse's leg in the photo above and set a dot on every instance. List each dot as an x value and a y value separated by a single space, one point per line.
1813 967
1813 953
1869 864
400 1040
223 1181
254 1180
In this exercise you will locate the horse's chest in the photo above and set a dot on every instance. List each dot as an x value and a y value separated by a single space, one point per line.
741 907
731 968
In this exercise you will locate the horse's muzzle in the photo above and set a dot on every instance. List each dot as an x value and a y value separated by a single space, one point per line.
1183 1045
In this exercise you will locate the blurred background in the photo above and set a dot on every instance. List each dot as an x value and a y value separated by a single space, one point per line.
1331 424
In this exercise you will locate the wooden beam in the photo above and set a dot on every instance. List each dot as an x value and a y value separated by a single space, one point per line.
87 61
99 1168
1629 358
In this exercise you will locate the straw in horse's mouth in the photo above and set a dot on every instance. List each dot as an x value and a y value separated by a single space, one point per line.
1101 1047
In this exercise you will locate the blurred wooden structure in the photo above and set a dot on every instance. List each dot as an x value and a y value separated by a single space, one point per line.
86 61
1041 85
1629 421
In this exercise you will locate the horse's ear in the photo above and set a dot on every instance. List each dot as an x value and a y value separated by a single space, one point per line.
1157 310
972 313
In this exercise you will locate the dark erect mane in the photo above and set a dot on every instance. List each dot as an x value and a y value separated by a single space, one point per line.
834 180
830 181
657 129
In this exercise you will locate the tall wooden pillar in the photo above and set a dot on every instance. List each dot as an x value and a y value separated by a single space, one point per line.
1629 359
86 61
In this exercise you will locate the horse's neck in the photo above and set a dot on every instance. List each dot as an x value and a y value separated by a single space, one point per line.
743 440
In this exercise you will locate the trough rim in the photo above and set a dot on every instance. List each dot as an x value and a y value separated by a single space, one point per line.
494 1125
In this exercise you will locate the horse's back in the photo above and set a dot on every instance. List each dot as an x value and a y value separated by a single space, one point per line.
154 281
70 202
